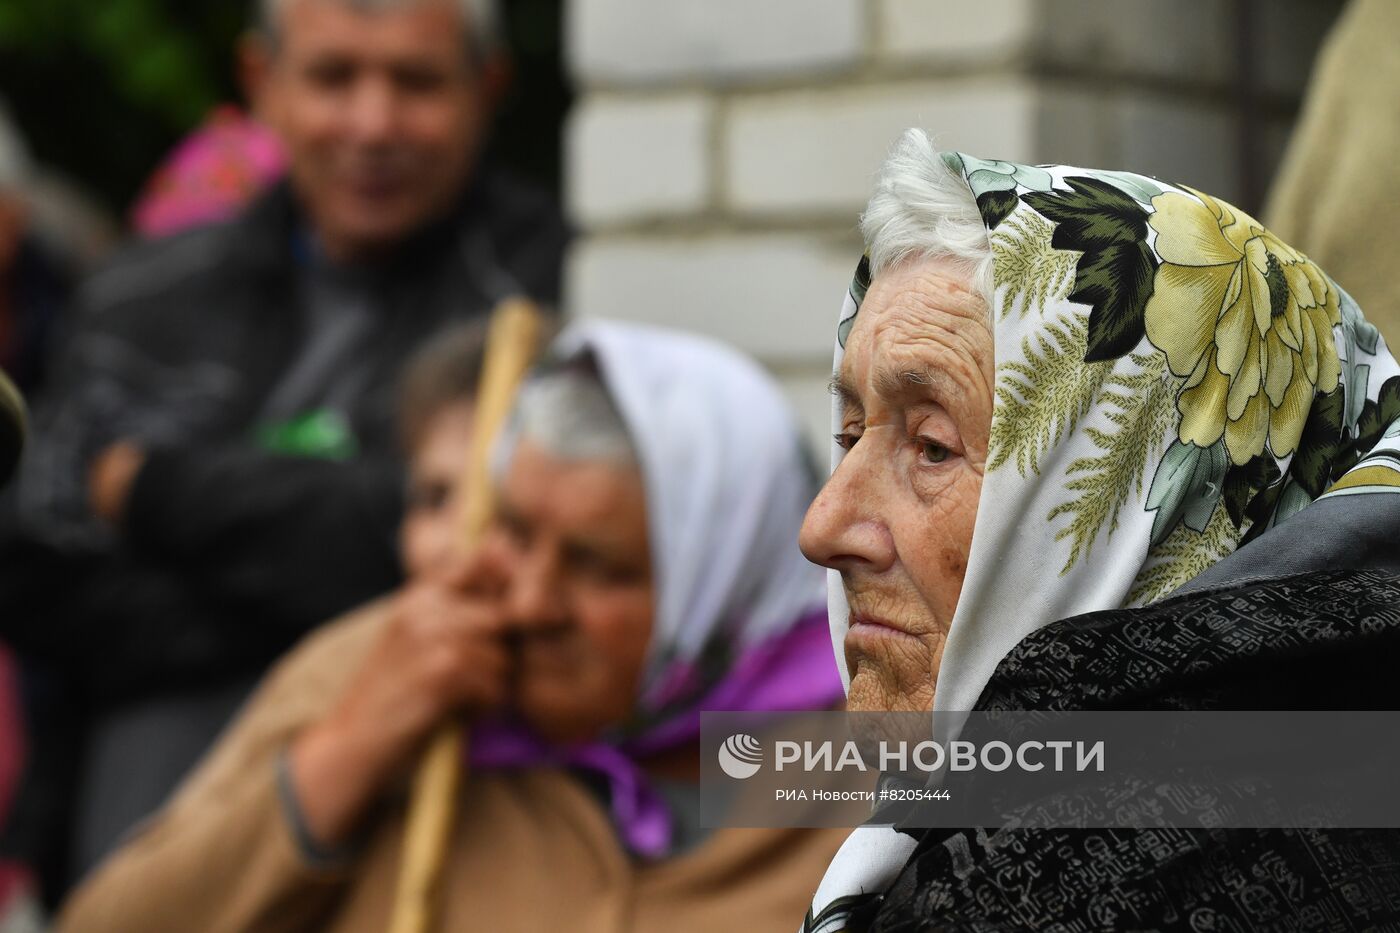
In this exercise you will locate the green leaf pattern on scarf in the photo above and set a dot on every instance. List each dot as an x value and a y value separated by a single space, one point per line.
1186 553
1033 272
1043 398
1094 226
1116 266
1101 484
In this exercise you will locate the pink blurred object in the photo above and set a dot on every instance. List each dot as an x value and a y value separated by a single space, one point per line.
12 744
16 881
210 174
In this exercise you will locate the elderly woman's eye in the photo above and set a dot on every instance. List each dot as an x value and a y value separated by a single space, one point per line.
932 451
846 440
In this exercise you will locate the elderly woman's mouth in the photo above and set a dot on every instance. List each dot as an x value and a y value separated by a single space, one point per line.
864 627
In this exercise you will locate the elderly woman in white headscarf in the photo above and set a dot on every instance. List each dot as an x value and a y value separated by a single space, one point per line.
642 567
1104 443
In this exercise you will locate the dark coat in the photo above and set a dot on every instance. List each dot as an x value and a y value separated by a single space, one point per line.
1307 617
230 551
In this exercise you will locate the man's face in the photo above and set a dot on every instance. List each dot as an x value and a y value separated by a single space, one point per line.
381 112
579 593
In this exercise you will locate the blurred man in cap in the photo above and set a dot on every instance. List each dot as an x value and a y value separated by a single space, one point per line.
214 470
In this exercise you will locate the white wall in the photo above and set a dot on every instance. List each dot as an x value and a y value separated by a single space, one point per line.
721 150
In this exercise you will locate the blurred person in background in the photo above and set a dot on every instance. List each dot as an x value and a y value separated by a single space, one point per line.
19 909
642 566
49 236
210 175
213 470
1338 187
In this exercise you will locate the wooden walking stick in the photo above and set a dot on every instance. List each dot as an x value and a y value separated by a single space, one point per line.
511 344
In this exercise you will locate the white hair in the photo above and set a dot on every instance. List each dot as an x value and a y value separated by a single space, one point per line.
922 208
569 413
481 20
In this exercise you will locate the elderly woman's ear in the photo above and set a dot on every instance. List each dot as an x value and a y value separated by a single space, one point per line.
896 517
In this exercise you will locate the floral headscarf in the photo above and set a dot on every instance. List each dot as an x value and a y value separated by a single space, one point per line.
1172 381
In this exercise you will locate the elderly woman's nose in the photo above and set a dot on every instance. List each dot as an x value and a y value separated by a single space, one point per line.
843 529
534 596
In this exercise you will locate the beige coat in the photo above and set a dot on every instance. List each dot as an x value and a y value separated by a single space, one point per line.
532 851
1337 195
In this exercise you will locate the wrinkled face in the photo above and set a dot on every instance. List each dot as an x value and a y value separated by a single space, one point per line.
431 532
381 113
572 537
896 516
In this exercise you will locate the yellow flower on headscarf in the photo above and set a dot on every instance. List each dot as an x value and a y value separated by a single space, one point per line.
1247 318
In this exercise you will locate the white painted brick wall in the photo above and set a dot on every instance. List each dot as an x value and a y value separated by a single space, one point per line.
776 296
753 128
817 151
954 31
1177 140
1189 41
633 159
652 41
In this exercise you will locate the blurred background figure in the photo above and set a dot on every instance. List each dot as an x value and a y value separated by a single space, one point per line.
19 905
49 236
214 470
210 175
613 598
1338 188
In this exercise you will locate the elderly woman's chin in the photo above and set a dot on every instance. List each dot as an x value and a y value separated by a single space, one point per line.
890 671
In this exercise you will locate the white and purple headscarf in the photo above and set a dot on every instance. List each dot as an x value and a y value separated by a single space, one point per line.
740 614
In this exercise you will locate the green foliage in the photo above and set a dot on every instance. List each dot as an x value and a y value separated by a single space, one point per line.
102 89
1137 405
1182 556
154 52
1042 399
1114 274
1024 261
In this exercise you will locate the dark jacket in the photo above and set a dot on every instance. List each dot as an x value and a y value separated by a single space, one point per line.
231 550
1307 617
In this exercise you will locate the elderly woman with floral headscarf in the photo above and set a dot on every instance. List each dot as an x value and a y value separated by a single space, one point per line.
1104 442
642 567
